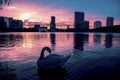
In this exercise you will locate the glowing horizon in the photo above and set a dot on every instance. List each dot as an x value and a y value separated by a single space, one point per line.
40 13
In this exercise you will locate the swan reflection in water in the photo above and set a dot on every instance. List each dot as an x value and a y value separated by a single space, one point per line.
52 65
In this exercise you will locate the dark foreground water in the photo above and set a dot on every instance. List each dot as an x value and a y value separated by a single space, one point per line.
93 56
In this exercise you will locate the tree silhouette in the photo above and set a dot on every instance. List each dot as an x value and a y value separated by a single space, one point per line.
4 2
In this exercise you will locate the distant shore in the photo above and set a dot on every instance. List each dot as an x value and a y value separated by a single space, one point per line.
115 29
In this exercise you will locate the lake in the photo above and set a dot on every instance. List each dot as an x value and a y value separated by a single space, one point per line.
91 54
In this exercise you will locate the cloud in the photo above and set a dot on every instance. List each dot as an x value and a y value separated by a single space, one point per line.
40 13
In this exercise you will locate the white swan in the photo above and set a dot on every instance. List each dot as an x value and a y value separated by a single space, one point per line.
53 61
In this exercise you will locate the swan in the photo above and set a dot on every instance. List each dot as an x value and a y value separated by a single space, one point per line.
53 61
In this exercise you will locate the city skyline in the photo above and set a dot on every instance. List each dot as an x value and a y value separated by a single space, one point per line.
63 10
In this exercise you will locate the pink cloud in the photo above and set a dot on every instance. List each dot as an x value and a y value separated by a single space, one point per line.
117 22
43 13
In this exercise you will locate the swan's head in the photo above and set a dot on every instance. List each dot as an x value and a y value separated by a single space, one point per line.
43 50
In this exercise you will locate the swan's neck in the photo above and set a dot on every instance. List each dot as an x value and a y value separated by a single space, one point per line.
43 50
42 54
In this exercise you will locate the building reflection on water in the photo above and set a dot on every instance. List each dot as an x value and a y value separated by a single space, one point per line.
108 40
53 41
68 36
10 40
29 40
80 40
97 38
7 72
26 49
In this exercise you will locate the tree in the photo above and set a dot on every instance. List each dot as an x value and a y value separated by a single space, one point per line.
4 2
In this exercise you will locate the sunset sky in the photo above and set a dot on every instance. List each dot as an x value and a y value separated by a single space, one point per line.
42 10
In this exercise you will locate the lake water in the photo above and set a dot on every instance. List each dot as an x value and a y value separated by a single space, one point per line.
89 53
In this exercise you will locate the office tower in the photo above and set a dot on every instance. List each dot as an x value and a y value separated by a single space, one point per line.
97 24
110 21
79 18
10 22
79 23
52 23
4 22
84 25
17 24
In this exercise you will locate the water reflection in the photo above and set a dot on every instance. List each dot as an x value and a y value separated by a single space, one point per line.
90 65
108 40
97 38
53 41
26 50
68 36
6 72
80 40
6 41
10 40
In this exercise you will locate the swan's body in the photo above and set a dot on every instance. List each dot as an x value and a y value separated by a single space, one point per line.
53 61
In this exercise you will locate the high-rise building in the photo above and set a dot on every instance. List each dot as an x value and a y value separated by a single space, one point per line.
10 22
97 24
110 21
79 18
17 24
80 23
84 25
52 23
4 22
